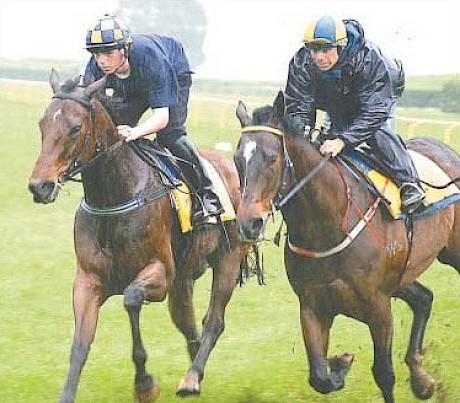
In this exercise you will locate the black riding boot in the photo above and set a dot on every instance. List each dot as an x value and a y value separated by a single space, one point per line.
412 196
207 203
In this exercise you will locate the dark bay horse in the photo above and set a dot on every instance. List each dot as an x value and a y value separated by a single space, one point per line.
331 269
127 237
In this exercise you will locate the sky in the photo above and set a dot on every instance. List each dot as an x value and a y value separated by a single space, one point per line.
249 39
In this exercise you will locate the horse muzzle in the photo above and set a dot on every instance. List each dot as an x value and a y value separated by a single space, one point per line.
252 229
44 191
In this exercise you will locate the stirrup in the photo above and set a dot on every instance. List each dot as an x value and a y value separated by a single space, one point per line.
202 213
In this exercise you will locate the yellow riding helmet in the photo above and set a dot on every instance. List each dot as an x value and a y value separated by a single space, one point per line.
326 30
108 33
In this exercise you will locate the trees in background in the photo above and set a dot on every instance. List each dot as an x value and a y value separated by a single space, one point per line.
182 19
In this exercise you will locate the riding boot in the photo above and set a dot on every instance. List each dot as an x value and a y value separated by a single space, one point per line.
412 196
207 203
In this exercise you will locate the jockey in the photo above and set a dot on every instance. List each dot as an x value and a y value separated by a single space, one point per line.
341 72
149 71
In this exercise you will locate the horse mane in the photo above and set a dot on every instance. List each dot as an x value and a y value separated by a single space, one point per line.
70 85
262 115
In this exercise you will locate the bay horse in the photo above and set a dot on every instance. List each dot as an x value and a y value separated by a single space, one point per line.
330 272
127 236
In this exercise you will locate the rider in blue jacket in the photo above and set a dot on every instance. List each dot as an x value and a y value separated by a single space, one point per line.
149 72
342 73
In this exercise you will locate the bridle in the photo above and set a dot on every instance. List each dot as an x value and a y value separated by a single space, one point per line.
75 166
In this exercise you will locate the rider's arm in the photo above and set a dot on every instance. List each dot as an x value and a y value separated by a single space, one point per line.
300 93
159 120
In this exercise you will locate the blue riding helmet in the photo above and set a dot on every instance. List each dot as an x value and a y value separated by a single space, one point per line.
325 31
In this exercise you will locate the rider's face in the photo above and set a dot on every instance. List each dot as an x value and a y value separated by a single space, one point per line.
325 58
110 61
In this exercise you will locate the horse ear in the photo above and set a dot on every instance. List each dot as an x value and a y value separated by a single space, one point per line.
96 86
54 80
278 107
242 114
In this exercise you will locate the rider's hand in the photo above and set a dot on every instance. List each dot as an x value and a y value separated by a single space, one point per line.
128 133
332 147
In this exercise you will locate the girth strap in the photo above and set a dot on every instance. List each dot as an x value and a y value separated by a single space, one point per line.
127 207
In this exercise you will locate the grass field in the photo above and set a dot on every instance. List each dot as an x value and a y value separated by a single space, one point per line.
260 357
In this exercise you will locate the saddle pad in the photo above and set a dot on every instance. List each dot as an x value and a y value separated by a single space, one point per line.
428 171
183 200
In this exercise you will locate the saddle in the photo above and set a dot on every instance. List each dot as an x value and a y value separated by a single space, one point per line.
155 154
378 182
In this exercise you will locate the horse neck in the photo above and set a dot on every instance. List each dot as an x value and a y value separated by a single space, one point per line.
115 174
322 202
106 132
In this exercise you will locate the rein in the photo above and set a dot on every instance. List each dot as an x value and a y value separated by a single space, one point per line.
303 182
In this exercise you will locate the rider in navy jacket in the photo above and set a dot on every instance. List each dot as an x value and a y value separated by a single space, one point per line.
149 72
341 72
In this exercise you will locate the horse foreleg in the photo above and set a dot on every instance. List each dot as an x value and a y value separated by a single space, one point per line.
316 331
149 285
381 328
182 313
225 277
86 304
420 300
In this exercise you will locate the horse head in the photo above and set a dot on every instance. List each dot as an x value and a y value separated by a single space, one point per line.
68 126
259 159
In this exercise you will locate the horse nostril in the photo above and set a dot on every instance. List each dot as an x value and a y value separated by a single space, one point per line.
41 190
252 230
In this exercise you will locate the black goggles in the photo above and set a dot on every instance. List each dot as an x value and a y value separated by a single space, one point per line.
316 47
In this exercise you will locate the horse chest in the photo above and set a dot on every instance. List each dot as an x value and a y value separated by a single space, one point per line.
115 244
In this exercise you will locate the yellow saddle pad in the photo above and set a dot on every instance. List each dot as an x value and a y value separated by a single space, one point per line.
183 200
428 171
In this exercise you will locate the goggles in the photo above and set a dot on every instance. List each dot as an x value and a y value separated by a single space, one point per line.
319 47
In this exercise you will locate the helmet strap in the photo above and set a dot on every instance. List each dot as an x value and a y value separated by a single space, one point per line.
115 70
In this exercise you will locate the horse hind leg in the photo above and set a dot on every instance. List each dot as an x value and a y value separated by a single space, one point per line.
149 285
452 259
419 299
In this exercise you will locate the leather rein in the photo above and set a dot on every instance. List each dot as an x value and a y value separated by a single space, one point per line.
350 235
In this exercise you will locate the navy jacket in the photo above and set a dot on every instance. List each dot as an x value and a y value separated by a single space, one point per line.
159 68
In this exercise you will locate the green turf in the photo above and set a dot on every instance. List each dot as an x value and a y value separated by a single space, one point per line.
259 358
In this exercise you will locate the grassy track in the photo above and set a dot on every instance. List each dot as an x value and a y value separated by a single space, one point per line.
260 357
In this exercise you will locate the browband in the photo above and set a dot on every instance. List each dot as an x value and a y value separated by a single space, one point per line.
255 129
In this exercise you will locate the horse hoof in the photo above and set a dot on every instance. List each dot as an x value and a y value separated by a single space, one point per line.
341 362
189 386
147 391
423 385
148 396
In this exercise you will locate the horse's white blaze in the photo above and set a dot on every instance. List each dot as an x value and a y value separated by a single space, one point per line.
249 150
55 116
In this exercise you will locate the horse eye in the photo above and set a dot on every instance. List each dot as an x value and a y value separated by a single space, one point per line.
75 131
271 159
